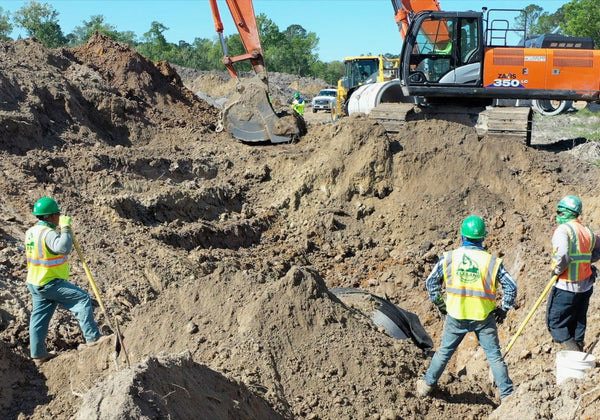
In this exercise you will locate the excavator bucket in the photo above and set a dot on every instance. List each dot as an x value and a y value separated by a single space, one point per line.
250 117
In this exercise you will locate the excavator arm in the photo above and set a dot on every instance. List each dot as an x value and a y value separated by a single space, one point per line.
242 12
248 114
404 9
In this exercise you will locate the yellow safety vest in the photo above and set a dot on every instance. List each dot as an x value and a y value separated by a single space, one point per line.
42 265
470 278
298 106
581 243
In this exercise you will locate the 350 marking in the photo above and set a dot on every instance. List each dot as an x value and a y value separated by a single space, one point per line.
509 82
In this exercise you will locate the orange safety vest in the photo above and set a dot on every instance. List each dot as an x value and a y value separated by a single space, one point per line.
470 277
581 243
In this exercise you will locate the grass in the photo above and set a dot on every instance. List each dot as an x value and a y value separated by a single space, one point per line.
585 112
589 126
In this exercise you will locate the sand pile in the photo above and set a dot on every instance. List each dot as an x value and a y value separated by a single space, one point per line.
204 245
171 386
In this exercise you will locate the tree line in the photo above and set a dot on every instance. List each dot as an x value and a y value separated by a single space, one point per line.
293 50
575 18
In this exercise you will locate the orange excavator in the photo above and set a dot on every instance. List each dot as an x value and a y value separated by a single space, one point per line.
458 63
249 114
453 65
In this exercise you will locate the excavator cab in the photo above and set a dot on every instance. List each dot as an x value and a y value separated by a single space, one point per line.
444 49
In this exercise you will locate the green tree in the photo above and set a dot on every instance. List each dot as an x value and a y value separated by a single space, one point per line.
5 26
582 18
154 44
331 72
528 17
97 24
548 23
40 20
299 50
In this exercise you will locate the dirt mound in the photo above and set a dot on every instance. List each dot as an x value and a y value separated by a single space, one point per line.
202 244
542 399
100 92
171 386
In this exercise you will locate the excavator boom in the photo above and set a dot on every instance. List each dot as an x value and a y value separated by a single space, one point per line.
403 9
248 114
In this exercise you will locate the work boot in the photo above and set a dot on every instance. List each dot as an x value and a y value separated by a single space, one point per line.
570 345
580 345
41 360
100 340
423 389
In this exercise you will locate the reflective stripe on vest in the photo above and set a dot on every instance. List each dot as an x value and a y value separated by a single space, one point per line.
470 278
581 243
42 265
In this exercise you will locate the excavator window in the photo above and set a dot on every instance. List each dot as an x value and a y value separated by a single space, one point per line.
446 50
433 54
359 70
469 41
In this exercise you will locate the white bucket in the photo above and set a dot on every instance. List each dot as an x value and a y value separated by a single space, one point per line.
570 364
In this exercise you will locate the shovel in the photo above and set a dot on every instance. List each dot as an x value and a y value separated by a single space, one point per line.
589 351
526 320
119 344
530 314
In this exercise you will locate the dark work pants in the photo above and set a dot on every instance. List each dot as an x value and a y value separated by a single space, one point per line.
566 314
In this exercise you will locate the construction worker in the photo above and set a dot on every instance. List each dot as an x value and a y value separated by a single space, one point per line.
575 248
298 104
47 252
471 276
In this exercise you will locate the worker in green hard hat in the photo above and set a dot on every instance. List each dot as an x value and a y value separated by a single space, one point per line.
47 247
298 104
471 276
575 247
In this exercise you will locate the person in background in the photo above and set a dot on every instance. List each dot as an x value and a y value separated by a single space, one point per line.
298 104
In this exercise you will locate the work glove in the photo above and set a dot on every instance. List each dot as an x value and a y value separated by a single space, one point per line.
500 315
441 305
64 222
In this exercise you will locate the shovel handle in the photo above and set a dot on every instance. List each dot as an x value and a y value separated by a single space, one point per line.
113 325
589 351
88 273
530 314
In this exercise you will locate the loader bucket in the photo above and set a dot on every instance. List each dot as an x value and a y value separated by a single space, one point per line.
250 117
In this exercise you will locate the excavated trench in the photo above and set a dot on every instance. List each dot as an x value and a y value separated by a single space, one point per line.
210 218
225 235
180 205
177 170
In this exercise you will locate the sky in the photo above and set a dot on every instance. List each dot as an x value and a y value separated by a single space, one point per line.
344 27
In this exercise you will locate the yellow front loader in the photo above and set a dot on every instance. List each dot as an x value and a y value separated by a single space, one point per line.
359 71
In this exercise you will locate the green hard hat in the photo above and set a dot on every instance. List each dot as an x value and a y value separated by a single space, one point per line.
473 227
571 203
296 95
45 206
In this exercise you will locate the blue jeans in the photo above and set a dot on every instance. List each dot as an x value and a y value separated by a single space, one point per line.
566 314
45 300
487 334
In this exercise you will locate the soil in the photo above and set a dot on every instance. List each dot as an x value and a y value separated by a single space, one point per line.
215 257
